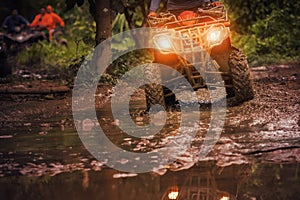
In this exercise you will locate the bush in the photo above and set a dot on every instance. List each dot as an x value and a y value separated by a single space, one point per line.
52 61
44 54
267 31
114 71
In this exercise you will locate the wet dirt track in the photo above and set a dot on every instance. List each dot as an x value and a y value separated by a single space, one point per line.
265 129
40 149
268 127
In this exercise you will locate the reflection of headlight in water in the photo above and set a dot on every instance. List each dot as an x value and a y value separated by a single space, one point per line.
20 37
225 198
173 195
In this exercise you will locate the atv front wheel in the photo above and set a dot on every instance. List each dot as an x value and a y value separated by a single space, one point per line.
242 84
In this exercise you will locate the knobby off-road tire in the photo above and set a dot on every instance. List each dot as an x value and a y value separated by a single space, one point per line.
57 36
242 84
154 92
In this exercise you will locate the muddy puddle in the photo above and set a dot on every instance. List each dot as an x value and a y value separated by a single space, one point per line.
51 163
203 181
47 160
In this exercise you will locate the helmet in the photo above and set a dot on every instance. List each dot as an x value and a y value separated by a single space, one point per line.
49 8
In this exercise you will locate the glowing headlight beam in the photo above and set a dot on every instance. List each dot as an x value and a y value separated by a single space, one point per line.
163 43
20 37
214 36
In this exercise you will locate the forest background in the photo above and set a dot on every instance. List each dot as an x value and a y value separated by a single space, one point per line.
268 31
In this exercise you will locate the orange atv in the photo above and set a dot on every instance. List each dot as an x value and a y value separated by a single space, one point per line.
197 44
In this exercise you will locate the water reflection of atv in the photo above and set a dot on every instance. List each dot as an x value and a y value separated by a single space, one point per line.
206 181
197 39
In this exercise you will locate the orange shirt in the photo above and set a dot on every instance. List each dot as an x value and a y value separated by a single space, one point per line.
56 19
45 20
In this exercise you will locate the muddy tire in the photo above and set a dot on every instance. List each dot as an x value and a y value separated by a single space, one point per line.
154 92
57 35
63 42
242 84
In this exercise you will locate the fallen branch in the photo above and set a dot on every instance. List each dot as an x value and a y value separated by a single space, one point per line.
270 150
41 90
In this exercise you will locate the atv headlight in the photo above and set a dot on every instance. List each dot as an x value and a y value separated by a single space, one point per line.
216 35
164 43
20 38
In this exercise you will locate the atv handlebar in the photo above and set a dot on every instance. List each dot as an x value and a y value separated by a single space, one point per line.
216 12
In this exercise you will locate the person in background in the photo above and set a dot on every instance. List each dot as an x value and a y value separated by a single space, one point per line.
55 20
177 6
13 21
42 21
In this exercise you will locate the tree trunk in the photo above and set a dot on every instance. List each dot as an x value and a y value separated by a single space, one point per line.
103 20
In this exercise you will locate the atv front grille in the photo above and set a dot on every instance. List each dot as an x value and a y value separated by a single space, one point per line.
188 35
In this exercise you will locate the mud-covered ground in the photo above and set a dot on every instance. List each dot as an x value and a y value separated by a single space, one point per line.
265 129
256 157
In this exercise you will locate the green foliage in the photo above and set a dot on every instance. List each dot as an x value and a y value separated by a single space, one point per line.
129 14
51 58
119 23
268 31
71 3
81 25
113 72
278 34
80 34
126 62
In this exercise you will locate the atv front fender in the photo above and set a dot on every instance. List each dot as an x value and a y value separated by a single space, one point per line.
169 59
221 54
